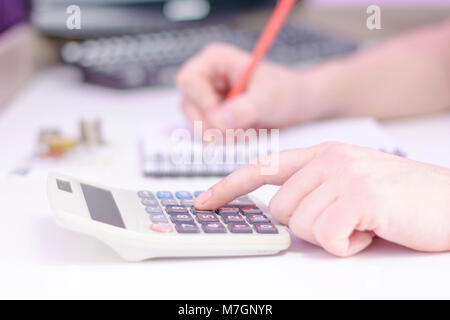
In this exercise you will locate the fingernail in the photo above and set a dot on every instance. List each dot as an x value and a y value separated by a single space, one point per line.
203 197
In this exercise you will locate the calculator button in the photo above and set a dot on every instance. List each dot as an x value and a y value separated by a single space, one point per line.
197 193
164 195
177 210
150 202
153 210
187 202
251 210
145 194
239 228
183 195
207 217
266 228
169 202
195 211
181 218
257 218
187 228
213 227
158 217
241 203
230 218
227 210
161 227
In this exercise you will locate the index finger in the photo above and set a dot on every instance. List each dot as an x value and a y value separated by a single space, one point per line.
251 177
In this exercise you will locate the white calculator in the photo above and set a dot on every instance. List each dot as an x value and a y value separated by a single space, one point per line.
146 224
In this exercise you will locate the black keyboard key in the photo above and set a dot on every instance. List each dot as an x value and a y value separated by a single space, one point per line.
266 228
240 228
181 218
232 218
257 218
207 217
213 227
187 228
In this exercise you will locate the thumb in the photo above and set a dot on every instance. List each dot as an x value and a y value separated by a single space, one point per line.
239 112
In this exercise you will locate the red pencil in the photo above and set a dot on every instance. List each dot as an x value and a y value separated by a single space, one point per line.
265 41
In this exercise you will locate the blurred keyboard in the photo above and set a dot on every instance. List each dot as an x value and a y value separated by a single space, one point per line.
153 59
134 61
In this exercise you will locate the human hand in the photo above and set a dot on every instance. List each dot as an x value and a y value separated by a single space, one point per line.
275 97
340 196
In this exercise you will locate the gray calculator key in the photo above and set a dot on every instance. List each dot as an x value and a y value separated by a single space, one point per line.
213 227
177 210
207 217
187 228
187 202
182 217
150 202
169 202
153 210
239 228
228 210
266 228
195 211
232 218
251 210
257 218
145 194
158 217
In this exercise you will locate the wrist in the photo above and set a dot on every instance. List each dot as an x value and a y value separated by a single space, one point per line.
327 89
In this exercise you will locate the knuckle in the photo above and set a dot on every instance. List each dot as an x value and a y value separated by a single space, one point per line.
336 153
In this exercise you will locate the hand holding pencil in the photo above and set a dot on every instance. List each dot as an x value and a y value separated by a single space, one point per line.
226 87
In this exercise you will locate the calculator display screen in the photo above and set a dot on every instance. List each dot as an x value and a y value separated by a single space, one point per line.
102 206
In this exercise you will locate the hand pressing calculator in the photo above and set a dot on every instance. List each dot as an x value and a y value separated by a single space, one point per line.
145 224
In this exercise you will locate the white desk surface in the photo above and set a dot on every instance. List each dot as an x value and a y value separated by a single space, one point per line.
41 260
